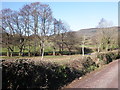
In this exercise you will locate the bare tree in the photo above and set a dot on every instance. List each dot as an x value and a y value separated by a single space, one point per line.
35 13
8 29
34 21
62 30
25 14
105 34
53 37
20 37
45 25
71 41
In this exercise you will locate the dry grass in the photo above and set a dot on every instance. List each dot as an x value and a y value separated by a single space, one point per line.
64 59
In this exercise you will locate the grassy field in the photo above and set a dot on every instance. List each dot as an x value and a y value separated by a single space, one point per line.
47 49
61 59
16 49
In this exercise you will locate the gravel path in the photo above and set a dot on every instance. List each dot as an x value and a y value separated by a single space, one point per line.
106 77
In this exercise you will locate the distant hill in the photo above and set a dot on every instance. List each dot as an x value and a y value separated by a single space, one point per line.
92 31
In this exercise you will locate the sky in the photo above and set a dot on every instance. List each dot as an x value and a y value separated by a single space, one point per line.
78 15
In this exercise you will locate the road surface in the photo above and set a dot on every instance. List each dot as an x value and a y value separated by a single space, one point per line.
106 77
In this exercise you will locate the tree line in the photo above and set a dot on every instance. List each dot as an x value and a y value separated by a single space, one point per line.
34 26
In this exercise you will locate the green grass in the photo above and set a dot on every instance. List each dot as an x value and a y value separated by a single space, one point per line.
4 49
16 49
47 49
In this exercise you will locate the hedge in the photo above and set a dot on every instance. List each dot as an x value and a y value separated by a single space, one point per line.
24 73
108 57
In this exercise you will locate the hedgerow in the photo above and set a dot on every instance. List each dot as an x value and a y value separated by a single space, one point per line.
24 73
108 57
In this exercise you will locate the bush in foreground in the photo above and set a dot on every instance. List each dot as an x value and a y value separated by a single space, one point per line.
105 58
24 73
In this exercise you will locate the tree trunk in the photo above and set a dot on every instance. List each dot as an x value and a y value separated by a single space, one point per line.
42 50
83 53
34 48
62 47
98 49
29 53
11 54
29 50
83 46
20 52
54 52
8 53
42 54
69 51
59 50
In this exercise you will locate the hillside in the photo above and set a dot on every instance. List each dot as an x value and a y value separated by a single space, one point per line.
92 31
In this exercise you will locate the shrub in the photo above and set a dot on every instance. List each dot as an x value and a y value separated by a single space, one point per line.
105 58
118 55
26 74
88 64
87 61
91 68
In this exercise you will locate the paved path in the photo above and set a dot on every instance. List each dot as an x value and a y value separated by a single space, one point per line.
106 77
